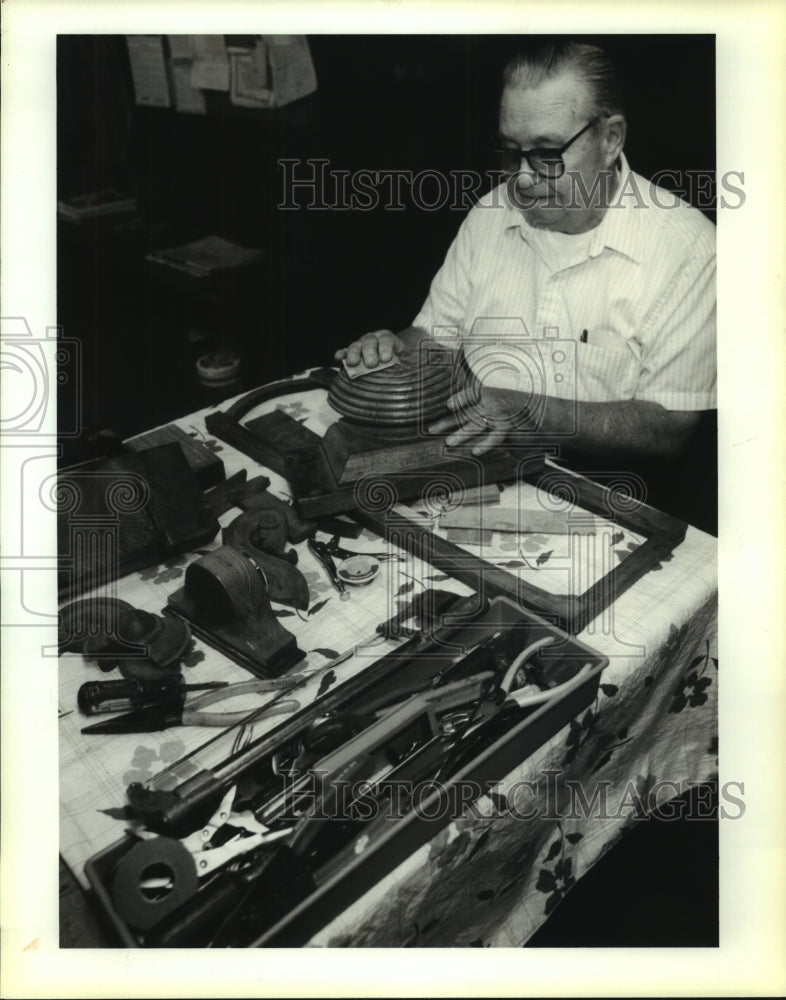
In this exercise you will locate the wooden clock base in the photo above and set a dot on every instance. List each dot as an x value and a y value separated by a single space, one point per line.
350 469
225 602
355 467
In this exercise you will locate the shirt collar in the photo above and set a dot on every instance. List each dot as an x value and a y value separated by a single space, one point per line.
619 229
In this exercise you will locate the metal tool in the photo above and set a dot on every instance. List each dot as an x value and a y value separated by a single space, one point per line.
320 550
168 807
287 877
462 736
142 799
270 880
425 705
160 875
323 828
95 697
341 553
390 737
426 607
154 718
208 857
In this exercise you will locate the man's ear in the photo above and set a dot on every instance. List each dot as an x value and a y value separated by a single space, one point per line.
615 129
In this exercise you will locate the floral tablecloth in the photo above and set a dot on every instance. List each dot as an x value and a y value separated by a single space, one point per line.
493 876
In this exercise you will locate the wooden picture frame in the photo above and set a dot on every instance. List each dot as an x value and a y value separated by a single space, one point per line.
570 612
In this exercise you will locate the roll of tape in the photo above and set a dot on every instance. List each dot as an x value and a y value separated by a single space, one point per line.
164 859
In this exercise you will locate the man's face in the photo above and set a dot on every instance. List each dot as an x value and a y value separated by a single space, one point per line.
548 116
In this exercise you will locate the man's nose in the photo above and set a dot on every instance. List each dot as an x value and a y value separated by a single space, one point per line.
526 178
523 188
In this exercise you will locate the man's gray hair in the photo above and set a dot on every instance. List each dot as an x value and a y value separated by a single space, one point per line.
539 61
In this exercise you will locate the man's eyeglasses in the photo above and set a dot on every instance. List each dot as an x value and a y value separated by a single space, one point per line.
545 162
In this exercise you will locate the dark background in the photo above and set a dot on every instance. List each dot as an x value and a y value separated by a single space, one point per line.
382 103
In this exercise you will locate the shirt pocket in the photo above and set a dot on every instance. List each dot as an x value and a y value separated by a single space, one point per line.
603 375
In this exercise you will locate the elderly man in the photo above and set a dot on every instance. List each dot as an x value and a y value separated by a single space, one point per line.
583 296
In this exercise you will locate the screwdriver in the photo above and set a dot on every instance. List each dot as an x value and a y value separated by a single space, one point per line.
96 697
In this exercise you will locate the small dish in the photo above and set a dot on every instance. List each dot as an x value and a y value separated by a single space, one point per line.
358 571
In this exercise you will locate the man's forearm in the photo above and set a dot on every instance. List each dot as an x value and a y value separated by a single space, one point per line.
622 428
412 336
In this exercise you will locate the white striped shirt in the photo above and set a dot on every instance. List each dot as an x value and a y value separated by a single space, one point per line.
641 284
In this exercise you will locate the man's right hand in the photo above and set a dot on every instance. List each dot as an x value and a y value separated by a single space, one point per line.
372 349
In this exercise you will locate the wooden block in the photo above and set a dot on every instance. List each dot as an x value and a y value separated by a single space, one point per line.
511 519
402 458
150 503
469 536
348 466
340 526
258 642
282 436
474 495
310 477
205 464
219 498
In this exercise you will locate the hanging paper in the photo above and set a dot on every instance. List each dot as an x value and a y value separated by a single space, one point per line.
250 76
291 67
210 69
148 69
186 96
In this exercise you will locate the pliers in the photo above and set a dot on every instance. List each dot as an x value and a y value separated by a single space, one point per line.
334 549
207 856
154 718
322 553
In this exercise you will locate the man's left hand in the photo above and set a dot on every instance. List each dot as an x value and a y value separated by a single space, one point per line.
482 417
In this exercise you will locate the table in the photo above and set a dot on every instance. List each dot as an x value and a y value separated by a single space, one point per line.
491 877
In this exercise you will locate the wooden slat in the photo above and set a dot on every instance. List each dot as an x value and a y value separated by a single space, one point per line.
513 519
473 495
469 536
597 499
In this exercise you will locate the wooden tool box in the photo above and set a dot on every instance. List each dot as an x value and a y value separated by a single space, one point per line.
303 898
